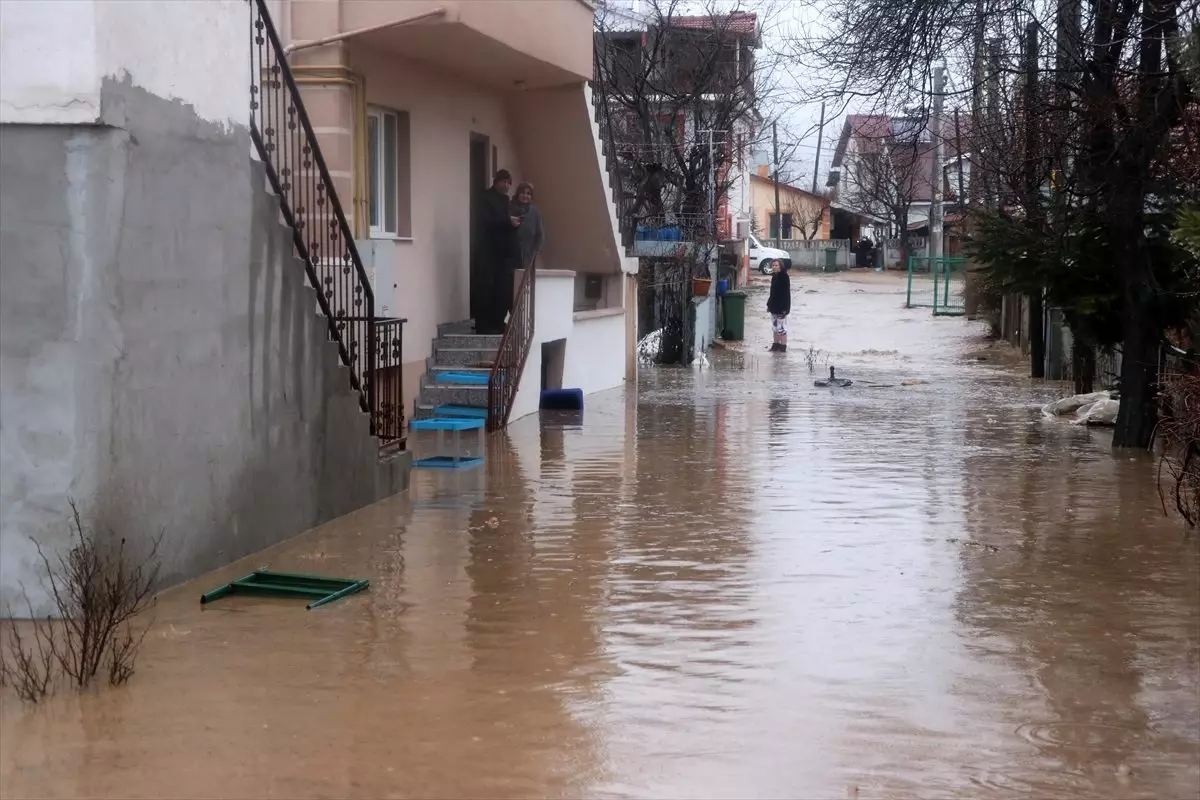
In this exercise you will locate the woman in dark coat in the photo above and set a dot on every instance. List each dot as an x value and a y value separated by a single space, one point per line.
779 304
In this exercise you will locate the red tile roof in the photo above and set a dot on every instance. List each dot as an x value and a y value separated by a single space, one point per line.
742 23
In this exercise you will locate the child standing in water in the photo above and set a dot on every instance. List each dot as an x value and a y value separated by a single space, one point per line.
779 304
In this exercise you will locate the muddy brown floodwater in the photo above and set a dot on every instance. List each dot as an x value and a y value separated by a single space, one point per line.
728 583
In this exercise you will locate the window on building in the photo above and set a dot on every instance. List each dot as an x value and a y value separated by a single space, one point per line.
390 198
787 226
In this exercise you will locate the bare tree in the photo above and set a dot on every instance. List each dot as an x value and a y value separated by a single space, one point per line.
807 214
800 215
1096 106
677 90
884 177
678 95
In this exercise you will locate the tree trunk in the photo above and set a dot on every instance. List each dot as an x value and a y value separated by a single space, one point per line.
1037 336
1083 365
1139 379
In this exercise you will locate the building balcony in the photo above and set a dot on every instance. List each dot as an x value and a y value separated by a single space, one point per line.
503 44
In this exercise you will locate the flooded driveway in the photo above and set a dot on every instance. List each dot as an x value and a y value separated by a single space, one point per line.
728 583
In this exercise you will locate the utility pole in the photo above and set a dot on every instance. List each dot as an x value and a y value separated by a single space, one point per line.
977 80
1033 192
935 206
991 198
1083 353
820 136
712 185
775 163
958 151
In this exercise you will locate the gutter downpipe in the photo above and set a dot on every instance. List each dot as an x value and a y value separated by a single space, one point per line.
339 37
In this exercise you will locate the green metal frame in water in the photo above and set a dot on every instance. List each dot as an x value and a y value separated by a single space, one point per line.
285 584
945 276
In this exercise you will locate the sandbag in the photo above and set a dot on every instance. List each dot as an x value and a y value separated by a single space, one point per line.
1070 405
1102 412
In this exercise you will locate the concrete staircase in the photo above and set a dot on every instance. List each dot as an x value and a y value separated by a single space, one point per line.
460 350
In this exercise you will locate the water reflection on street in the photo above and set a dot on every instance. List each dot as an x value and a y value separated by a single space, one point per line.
729 583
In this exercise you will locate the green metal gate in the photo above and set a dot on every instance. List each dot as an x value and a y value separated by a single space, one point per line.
937 283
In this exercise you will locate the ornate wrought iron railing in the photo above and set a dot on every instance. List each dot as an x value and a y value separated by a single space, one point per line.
284 139
388 381
505 377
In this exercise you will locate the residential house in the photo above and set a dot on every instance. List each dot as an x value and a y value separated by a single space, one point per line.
882 172
676 102
701 97
801 215
220 298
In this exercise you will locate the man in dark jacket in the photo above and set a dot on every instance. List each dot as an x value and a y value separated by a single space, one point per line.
779 304
499 253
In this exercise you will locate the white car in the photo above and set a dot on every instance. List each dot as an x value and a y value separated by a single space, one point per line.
761 257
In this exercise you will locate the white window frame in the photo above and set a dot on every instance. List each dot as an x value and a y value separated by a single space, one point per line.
377 187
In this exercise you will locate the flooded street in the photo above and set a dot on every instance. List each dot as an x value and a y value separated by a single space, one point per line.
727 583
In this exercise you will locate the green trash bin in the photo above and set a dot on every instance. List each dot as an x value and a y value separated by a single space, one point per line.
831 257
735 316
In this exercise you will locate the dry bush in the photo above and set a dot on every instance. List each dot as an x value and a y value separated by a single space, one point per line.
28 665
1180 460
99 590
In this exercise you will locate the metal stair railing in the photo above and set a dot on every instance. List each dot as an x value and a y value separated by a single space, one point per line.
505 377
295 167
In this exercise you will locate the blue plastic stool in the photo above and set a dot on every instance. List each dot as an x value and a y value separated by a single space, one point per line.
455 425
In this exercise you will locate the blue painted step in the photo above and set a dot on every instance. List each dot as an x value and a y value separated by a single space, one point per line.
468 412
447 424
467 378
447 462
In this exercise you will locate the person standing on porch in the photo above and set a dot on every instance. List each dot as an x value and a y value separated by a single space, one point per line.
531 235
500 251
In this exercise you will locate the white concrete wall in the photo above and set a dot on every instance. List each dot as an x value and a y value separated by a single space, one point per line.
595 352
48 67
55 56
553 320
595 358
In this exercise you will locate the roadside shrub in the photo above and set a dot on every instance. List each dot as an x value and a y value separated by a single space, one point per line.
99 590
1180 459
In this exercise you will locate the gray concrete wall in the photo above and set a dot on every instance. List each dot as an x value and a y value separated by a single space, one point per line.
161 358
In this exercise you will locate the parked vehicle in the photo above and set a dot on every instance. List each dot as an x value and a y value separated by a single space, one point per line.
761 256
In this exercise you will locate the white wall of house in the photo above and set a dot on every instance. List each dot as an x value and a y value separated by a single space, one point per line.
740 195
55 56
594 359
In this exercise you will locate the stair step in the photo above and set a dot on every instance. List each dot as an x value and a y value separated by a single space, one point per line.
469 341
447 424
461 378
465 326
459 368
442 394
475 357
466 412
447 462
